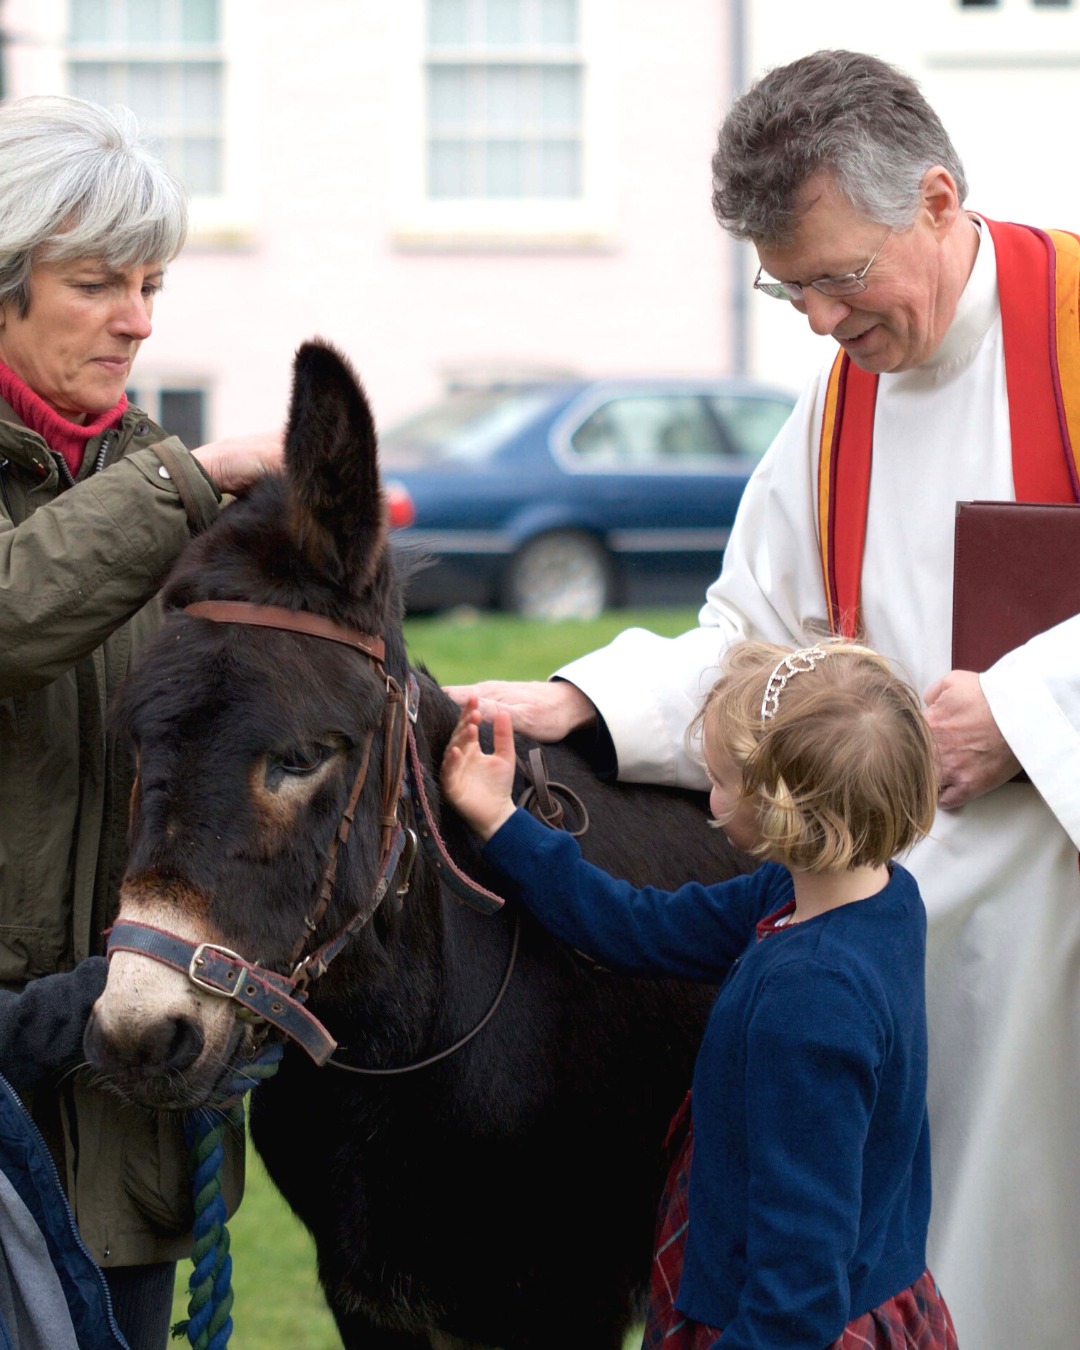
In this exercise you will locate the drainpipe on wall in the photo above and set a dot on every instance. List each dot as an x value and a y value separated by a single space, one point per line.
740 333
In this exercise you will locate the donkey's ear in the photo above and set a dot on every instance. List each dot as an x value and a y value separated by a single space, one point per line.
333 473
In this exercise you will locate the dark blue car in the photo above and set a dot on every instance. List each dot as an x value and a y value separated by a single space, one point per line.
561 499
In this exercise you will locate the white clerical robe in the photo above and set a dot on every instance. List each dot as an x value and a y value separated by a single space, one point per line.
999 876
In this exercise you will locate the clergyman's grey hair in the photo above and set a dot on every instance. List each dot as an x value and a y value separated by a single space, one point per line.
76 181
858 117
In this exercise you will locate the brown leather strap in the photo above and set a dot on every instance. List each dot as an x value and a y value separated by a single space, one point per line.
199 518
541 797
550 810
395 744
312 921
479 897
290 620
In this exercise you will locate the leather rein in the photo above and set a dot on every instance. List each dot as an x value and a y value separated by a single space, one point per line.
265 995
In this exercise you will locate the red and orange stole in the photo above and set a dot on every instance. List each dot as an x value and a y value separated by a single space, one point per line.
1039 289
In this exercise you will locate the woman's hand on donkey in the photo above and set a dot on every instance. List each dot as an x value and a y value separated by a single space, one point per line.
478 784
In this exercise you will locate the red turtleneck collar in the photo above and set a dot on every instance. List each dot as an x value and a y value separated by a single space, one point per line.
69 438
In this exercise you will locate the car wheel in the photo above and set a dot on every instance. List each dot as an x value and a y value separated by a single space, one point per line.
565 575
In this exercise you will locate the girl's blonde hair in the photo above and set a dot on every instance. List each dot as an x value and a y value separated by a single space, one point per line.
842 769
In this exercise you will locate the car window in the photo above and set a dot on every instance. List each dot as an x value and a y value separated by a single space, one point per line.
470 425
644 431
751 423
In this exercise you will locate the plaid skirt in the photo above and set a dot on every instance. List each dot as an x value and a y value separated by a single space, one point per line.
914 1319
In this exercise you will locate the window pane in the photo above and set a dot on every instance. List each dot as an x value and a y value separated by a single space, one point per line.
686 432
512 98
147 93
561 97
447 23
558 22
648 431
560 169
504 26
159 146
751 423
183 414
199 21
448 97
469 425
145 21
89 22
448 169
91 81
201 165
201 91
503 130
598 440
506 171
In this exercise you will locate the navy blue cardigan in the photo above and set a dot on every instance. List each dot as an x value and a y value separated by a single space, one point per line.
810 1181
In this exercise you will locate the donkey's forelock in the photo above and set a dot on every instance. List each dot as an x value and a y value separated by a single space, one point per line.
338 517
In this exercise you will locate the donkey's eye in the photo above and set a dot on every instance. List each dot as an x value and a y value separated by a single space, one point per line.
292 766
302 760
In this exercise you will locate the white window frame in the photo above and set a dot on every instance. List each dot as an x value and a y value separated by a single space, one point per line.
425 223
225 218
1008 34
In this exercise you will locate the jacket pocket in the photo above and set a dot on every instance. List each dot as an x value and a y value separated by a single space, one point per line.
25 953
156 1176
131 1186
154 1172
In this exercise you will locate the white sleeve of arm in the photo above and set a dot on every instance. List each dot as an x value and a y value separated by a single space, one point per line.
1034 695
648 688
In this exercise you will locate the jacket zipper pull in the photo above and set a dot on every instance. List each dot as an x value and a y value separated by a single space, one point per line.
103 450
62 469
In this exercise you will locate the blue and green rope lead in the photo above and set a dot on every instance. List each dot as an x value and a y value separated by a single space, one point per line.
209 1322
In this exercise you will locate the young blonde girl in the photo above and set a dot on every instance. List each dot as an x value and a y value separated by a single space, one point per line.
796 1209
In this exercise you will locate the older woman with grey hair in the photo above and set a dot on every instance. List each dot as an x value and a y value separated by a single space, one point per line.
95 503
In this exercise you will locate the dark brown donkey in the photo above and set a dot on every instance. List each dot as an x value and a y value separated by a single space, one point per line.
504 1194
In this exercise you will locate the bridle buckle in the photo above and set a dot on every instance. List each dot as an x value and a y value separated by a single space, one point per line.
199 959
308 968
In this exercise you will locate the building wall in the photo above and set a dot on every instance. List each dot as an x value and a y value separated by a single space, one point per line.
324 229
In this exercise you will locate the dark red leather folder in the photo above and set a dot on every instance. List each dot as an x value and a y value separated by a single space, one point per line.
1016 573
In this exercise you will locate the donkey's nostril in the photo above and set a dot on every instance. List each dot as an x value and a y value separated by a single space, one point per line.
184 1046
168 1045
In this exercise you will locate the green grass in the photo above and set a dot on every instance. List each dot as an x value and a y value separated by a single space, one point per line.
278 1303
463 646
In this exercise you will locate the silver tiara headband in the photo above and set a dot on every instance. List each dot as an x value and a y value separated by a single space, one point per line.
797 663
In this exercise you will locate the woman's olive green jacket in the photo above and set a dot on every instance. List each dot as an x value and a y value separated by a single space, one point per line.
80 565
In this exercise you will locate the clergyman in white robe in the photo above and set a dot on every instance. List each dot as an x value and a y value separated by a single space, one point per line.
999 875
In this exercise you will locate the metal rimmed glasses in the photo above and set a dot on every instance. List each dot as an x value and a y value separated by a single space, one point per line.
851 283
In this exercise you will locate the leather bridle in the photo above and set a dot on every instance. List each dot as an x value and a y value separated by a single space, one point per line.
265 994
396 716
